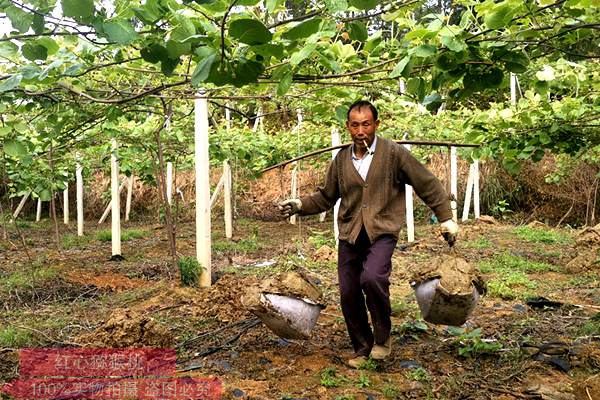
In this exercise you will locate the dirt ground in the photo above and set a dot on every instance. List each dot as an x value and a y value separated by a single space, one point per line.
517 344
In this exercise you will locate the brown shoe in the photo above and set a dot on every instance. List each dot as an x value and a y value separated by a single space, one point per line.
381 351
357 362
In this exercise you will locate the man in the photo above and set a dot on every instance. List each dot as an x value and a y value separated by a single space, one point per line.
369 177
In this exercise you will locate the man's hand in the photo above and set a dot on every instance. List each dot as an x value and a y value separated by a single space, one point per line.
449 230
287 208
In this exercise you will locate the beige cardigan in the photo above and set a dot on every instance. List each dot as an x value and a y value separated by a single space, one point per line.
377 203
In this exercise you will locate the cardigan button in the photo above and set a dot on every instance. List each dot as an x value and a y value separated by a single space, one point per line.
366 185
364 206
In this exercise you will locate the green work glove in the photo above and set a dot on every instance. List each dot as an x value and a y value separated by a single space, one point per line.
287 208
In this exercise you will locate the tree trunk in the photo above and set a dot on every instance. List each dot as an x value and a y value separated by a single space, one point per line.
52 202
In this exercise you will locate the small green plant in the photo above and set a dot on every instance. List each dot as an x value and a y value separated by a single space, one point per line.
363 381
511 286
537 235
329 377
418 374
70 241
506 262
344 397
126 235
35 273
13 337
413 328
592 327
369 365
321 238
501 209
189 270
390 391
470 343
480 243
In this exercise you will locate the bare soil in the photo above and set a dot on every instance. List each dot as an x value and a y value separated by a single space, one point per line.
508 349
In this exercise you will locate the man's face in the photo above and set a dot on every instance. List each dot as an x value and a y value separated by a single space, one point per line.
362 126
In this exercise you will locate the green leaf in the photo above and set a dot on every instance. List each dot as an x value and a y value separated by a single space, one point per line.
19 19
301 55
176 49
285 82
202 71
78 9
249 31
8 49
399 68
154 53
168 65
248 3
33 51
14 149
416 86
269 50
453 43
303 30
336 5
514 67
120 32
364 4
49 44
341 114
498 18
358 31
247 71
424 50
38 23
447 61
45 195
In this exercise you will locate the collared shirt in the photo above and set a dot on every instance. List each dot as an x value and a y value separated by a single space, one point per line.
362 165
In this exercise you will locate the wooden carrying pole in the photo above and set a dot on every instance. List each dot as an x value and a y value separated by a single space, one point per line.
79 182
335 141
453 182
115 201
110 203
203 239
468 193
294 190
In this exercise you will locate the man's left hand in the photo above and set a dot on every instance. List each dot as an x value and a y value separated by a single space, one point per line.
449 230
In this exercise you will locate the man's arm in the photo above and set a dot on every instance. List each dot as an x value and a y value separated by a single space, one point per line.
425 184
325 196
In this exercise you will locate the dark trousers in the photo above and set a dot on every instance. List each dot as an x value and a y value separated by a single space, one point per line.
364 269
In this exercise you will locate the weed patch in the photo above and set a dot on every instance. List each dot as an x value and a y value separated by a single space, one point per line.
480 243
189 270
536 235
12 337
503 263
106 235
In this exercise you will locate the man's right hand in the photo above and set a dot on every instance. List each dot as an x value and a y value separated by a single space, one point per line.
287 208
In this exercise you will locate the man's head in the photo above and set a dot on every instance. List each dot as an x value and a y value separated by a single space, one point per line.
362 123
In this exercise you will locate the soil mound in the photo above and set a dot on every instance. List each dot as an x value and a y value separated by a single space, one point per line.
456 275
588 236
126 328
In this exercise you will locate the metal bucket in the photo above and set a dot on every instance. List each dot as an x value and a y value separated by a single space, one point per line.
440 307
289 317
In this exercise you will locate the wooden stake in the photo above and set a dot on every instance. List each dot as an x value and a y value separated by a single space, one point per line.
410 217
293 218
169 181
115 201
453 182
79 181
476 189
38 214
20 206
468 194
215 193
66 205
109 205
227 200
130 182
203 239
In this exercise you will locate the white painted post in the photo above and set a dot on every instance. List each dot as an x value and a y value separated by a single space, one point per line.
410 217
169 182
402 86
109 205
476 189
257 120
215 193
453 182
130 182
513 88
38 214
294 195
115 201
335 141
468 193
227 200
20 206
203 239
79 180
227 116
66 204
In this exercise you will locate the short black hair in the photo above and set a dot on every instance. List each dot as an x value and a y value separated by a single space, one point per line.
360 104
